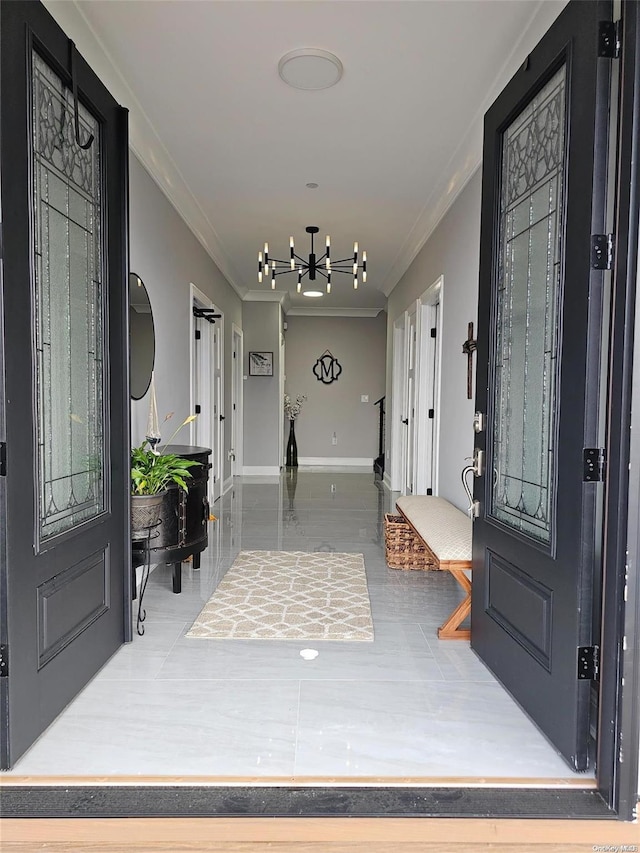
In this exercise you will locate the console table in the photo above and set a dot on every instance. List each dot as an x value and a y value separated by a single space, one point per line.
183 530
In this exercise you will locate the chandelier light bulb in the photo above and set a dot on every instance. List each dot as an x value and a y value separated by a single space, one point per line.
293 263
355 283
259 276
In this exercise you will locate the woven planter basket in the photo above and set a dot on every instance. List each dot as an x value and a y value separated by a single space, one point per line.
403 549
145 513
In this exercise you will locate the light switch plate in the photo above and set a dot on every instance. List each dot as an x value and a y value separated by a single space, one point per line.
364 398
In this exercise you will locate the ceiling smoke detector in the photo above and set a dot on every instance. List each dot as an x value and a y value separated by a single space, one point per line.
310 68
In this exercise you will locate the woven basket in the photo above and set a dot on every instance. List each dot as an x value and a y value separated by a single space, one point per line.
403 549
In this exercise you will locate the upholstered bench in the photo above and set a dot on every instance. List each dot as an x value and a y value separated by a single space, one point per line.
446 532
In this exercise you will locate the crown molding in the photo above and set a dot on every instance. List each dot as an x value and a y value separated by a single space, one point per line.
467 157
297 311
144 140
280 296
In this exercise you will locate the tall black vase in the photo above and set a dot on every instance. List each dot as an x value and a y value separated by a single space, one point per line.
292 447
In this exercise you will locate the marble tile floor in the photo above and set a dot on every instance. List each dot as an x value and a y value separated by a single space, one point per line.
405 705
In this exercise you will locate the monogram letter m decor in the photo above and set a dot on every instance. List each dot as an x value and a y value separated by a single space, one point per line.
327 368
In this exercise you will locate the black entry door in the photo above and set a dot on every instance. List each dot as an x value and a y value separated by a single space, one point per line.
536 540
64 417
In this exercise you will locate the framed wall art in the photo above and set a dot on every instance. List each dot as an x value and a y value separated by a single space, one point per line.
260 364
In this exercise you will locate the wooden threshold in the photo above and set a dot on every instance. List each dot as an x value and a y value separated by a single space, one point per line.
315 835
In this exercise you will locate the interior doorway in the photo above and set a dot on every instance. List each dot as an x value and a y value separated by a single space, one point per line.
237 348
415 424
429 360
207 392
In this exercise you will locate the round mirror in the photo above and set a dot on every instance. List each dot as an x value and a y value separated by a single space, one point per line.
142 339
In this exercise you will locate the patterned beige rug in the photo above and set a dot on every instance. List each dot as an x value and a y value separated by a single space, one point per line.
289 595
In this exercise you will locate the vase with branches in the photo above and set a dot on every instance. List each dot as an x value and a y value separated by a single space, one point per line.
292 408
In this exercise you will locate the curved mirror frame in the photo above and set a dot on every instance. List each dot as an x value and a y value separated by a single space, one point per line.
142 338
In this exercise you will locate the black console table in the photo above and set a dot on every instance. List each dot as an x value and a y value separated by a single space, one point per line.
183 530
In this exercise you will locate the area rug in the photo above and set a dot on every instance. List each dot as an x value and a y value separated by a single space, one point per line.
289 595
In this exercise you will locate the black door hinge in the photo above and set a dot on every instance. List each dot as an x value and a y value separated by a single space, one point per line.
3 459
588 663
432 413
601 251
594 464
198 408
4 661
198 334
433 332
609 39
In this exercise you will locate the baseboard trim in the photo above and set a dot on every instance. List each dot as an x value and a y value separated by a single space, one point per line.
346 461
260 470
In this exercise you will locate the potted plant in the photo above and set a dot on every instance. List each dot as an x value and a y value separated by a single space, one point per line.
152 472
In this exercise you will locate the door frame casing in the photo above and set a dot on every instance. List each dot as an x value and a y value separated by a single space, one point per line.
618 742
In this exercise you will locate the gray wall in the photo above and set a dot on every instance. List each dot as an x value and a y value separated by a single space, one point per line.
168 258
261 325
452 251
359 345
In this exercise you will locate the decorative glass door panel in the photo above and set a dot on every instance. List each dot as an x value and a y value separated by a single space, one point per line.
527 313
69 308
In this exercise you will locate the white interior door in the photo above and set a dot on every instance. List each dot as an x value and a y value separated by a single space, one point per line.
218 409
398 428
236 402
409 419
427 403
205 380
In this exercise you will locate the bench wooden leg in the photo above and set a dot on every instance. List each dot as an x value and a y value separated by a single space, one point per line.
449 630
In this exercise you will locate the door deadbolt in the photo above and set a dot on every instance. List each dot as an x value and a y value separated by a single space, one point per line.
478 422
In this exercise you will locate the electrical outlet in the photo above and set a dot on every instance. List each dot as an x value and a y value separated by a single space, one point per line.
334 439
364 398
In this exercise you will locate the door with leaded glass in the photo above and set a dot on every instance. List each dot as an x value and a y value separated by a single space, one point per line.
536 539
64 394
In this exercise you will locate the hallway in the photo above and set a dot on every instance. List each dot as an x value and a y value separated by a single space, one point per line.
405 706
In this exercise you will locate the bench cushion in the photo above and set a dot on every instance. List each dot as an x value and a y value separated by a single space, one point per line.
445 528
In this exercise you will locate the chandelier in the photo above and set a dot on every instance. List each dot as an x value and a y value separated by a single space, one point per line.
312 267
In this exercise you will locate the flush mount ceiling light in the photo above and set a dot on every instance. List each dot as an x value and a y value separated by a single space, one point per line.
324 266
314 294
310 68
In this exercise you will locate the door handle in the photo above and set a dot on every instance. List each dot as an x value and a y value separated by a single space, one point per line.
221 417
478 462
405 421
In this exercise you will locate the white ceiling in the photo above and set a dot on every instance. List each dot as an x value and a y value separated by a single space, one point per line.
389 145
